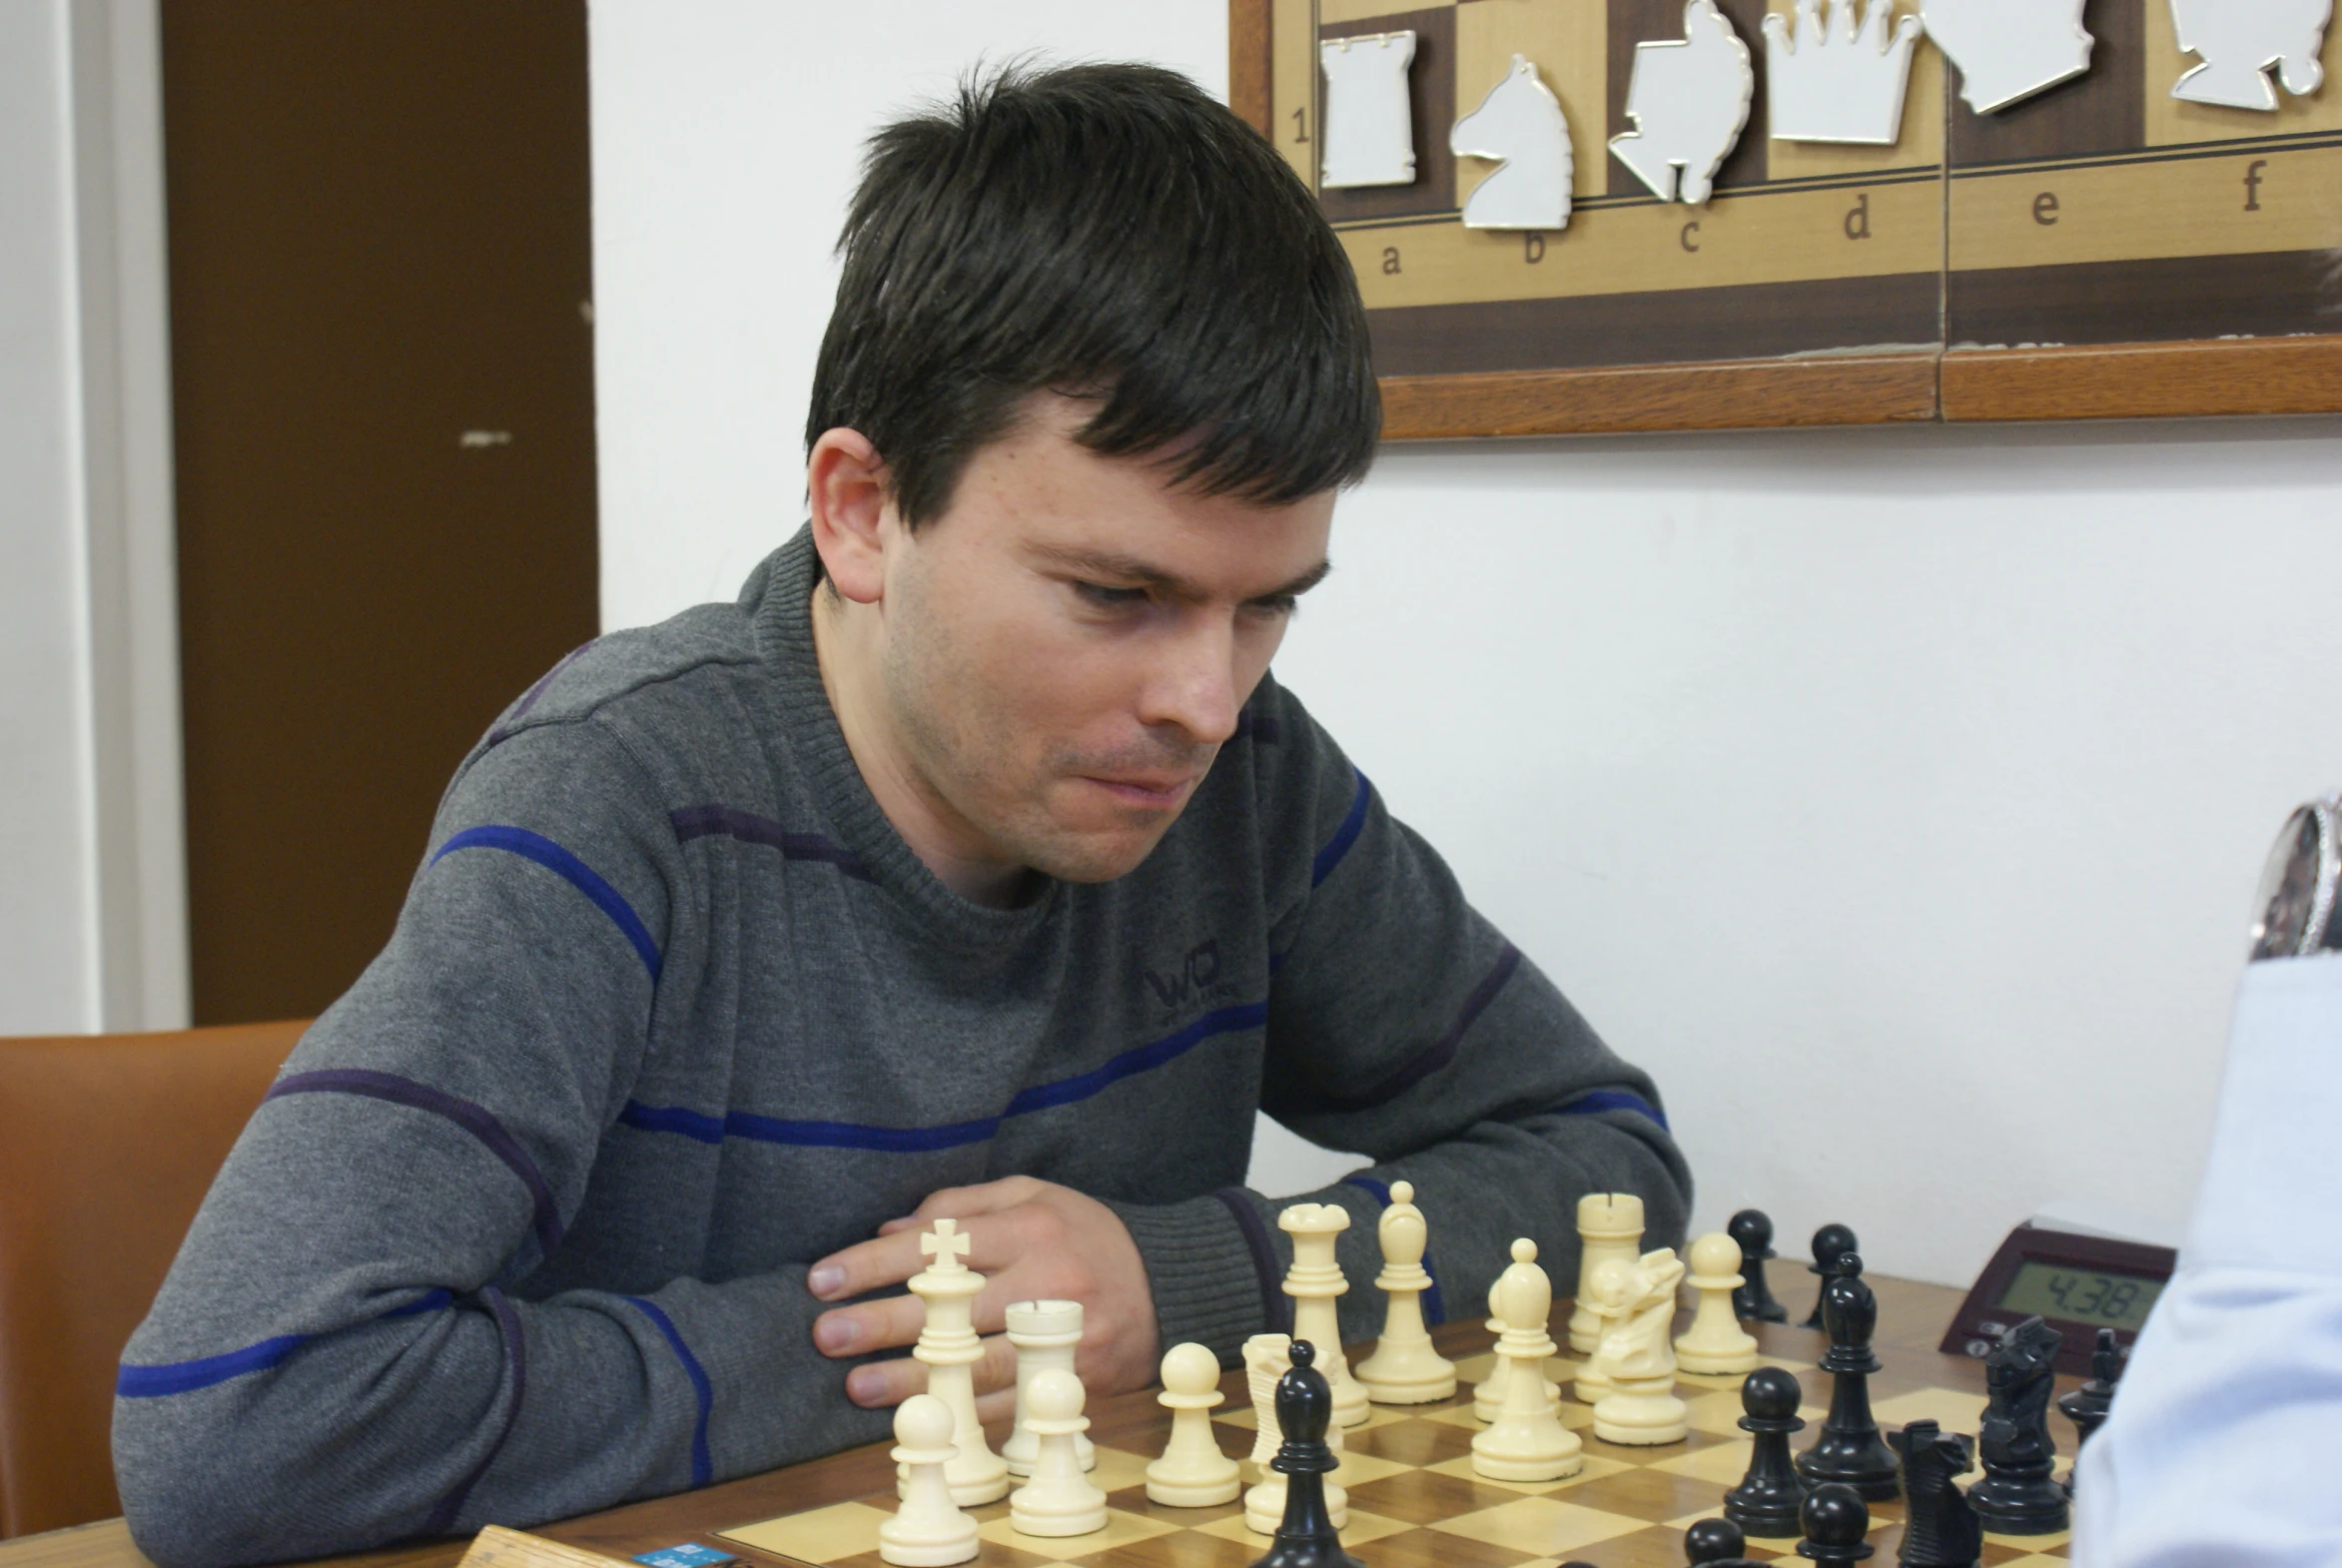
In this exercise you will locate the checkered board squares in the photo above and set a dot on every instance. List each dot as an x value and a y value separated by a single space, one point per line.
1416 1503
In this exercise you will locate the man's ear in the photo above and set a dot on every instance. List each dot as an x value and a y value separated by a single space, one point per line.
848 492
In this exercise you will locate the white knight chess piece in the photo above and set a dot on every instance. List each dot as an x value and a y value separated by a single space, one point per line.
1370 129
2009 50
1843 83
1520 124
1689 101
2241 41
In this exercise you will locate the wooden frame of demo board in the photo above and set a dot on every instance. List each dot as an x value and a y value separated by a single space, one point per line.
2101 250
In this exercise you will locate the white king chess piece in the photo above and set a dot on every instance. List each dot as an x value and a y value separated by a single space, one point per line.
2241 41
1520 124
1843 83
949 1349
2009 50
1370 129
1689 101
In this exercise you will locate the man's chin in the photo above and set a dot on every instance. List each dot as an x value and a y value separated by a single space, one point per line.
1094 857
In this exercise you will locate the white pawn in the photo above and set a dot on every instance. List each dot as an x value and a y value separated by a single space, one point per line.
1528 1441
1045 1335
1193 1472
1404 1370
1059 1499
1716 1342
928 1530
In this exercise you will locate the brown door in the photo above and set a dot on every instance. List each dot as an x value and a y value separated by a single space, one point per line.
382 367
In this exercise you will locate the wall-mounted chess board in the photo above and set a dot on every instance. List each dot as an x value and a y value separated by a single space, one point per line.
2098 249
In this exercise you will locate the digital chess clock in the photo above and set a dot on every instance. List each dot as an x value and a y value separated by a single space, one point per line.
2078 1284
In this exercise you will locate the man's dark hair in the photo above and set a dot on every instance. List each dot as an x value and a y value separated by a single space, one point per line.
1110 231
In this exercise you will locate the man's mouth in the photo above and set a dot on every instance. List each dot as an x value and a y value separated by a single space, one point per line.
1156 791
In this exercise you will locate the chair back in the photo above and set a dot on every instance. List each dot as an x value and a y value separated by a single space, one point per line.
108 1144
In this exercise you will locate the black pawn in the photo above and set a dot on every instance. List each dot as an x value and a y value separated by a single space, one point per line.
1849 1448
1752 1301
1940 1531
1767 1499
1836 1523
1715 1543
2016 1495
1831 1242
1306 1537
2088 1407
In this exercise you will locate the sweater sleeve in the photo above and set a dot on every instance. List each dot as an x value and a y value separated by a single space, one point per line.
343 1355
1404 1026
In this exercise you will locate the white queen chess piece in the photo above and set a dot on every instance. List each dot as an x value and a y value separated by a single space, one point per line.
1689 101
1404 1370
2241 41
1370 129
1519 124
928 1530
1045 1335
1641 1408
949 1348
1843 82
2009 50
1527 1441
1193 1472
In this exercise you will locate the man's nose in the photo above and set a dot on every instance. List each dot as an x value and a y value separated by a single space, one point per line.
1194 687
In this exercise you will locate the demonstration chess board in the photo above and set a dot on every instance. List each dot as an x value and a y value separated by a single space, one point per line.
2101 211
1414 1501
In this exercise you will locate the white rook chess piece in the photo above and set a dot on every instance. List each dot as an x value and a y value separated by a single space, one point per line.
1610 1225
1268 1357
1059 1499
1045 1335
1193 1472
950 1351
1404 1370
1716 1342
1528 1441
928 1530
1641 1408
1607 1293
1314 1282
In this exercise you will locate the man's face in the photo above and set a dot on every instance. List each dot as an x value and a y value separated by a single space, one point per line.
1069 643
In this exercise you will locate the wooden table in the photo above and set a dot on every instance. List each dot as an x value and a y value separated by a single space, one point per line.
1911 1319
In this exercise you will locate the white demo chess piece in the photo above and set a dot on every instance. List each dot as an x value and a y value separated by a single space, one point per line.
1715 1344
1059 1499
1688 100
1045 1335
2241 41
2009 50
1268 1357
1605 1296
1521 126
1313 1282
1641 1408
1404 1370
949 1348
928 1530
1528 1441
1841 84
1610 1229
1193 1472
1369 119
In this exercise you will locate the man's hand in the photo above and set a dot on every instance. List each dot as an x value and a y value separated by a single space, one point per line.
1038 1241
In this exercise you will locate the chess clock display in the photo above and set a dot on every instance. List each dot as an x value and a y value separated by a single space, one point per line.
2075 1283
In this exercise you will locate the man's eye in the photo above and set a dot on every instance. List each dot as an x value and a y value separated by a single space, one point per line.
1104 597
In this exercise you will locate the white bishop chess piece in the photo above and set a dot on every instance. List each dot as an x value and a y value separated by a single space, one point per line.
1689 99
1044 1335
1488 1394
2240 41
2009 50
1404 1370
928 1530
1314 1282
1193 1472
1058 1499
1527 1441
1844 83
1268 1357
1715 1344
949 1348
1641 1408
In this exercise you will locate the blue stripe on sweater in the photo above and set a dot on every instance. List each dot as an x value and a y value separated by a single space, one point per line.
183 1378
702 1469
1434 1314
551 855
1613 1100
704 1128
1344 836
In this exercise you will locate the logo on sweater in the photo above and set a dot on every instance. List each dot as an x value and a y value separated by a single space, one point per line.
1196 979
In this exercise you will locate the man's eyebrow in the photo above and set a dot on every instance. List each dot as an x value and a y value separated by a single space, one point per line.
1129 568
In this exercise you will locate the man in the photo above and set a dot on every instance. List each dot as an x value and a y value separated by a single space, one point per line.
969 865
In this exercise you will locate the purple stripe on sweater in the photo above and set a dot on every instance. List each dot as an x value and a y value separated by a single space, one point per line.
1437 1056
503 731
1344 836
712 821
702 1468
1275 1306
442 1519
474 1119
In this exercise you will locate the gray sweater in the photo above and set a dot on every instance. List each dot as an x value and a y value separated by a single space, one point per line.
672 1012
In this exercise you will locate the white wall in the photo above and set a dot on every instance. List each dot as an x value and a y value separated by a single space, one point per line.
92 863
1894 796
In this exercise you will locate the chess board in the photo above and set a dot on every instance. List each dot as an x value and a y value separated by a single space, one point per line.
2099 211
1415 1502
